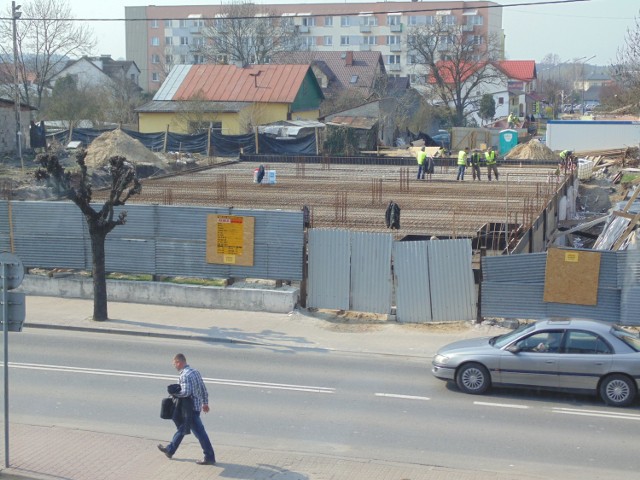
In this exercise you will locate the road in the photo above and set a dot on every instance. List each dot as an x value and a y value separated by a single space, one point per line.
335 403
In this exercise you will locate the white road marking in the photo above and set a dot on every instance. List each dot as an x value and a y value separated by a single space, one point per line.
503 405
406 397
154 376
597 413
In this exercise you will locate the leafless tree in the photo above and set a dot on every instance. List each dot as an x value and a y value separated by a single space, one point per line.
246 33
46 38
457 63
626 70
77 188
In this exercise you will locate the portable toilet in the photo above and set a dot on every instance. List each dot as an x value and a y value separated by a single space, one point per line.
508 139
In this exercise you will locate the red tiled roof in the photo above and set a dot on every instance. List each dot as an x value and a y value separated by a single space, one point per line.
518 69
228 83
449 71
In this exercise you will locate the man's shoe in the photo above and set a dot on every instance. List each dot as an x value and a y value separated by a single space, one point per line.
164 450
206 462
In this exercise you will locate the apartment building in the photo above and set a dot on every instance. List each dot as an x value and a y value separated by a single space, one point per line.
158 37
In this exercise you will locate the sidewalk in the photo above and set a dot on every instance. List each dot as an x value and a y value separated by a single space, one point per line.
80 454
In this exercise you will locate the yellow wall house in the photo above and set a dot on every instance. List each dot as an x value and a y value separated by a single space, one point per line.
232 100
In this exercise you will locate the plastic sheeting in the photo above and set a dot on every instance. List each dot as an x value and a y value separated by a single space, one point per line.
221 145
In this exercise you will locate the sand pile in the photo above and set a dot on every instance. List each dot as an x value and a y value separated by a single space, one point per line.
116 142
532 150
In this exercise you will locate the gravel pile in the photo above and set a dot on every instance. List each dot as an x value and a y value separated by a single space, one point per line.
532 150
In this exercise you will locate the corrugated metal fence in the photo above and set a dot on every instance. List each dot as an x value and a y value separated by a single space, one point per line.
513 287
357 271
158 240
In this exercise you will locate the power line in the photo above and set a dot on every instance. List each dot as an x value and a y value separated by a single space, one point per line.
354 13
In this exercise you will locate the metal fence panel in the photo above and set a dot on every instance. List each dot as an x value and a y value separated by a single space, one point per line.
411 273
453 292
371 281
521 268
329 273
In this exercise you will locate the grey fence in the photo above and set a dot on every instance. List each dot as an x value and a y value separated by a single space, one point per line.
158 240
430 280
513 287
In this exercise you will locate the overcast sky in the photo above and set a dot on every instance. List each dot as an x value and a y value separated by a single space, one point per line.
574 30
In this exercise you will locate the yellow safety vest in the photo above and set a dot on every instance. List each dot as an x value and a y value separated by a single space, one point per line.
490 157
422 156
462 158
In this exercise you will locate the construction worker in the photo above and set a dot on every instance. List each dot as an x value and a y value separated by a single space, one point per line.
511 120
422 167
566 158
462 163
490 157
474 161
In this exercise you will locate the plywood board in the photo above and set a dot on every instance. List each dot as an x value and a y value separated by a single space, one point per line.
572 276
230 240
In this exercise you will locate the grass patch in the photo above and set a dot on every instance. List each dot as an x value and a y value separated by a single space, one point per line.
128 276
629 177
206 282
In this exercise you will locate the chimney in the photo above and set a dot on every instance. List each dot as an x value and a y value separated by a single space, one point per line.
348 59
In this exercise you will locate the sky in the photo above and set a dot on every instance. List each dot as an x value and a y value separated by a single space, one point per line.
575 30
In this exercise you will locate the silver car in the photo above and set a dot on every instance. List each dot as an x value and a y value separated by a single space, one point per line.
569 354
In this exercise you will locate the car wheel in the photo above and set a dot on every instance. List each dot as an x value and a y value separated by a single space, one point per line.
618 390
473 378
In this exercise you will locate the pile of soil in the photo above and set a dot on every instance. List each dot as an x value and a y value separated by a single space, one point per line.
118 143
532 150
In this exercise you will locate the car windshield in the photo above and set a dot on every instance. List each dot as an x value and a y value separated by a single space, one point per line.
630 338
502 340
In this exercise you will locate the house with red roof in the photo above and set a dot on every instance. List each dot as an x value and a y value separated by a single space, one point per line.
231 99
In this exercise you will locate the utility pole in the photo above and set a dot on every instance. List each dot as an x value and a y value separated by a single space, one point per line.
15 15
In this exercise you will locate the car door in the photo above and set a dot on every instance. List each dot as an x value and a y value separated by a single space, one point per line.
586 358
533 361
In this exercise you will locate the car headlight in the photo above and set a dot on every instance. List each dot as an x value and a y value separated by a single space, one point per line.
440 359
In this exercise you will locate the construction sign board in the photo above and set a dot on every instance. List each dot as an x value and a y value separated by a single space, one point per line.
230 240
572 276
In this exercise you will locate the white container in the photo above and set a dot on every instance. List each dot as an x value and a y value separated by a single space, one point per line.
585 169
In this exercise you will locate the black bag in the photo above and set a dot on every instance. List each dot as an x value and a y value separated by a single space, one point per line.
167 408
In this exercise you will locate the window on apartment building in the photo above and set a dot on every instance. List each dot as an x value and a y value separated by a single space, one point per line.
429 20
448 19
393 39
198 59
168 23
198 22
369 40
155 77
168 40
393 19
417 79
413 59
328 21
155 58
344 40
393 59
183 59
475 39
184 40
369 20
328 40
154 23
155 41
475 20
345 21
184 23
219 23
309 21
168 59
308 42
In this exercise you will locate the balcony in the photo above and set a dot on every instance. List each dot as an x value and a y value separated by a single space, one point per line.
467 28
365 28
303 29
395 47
394 67
365 47
396 28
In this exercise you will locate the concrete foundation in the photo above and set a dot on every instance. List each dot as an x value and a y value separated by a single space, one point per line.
279 300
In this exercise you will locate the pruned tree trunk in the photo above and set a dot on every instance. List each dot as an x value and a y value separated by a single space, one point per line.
98 238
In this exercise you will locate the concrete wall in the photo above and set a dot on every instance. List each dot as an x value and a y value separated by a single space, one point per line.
591 135
278 300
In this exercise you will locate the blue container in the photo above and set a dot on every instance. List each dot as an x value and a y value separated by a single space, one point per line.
508 139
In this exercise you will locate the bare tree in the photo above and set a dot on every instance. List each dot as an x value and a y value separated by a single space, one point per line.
47 37
73 103
626 70
246 33
124 184
457 63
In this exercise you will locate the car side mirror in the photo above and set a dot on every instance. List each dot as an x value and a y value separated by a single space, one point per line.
513 348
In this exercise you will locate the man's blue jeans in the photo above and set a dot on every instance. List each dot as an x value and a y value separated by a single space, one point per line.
197 428
461 169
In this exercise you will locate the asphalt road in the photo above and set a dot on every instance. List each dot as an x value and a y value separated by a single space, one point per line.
335 403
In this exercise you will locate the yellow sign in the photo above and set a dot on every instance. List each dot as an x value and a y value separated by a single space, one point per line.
571 257
230 240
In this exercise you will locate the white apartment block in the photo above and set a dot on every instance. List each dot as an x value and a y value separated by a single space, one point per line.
159 37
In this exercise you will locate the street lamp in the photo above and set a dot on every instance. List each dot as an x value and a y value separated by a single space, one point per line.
15 15
582 86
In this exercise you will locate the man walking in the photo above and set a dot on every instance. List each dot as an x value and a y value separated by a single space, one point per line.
490 157
462 163
475 163
191 385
